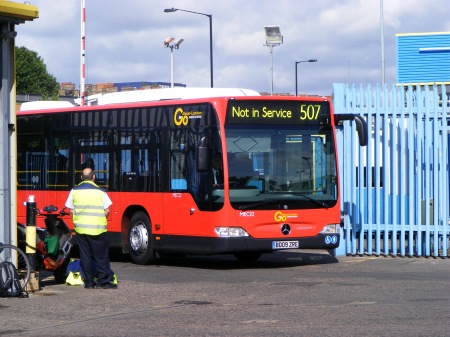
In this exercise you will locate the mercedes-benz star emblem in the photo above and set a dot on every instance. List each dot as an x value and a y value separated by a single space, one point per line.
285 229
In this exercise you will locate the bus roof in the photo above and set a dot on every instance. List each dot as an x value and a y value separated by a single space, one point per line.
167 94
147 95
38 105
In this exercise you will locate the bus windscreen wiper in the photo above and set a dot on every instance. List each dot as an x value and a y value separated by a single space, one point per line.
283 202
260 204
317 202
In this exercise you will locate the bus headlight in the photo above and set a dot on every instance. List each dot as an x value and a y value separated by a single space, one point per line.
331 229
230 232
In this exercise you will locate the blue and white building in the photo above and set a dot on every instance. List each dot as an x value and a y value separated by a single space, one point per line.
423 59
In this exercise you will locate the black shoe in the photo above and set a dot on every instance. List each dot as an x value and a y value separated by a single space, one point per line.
108 285
89 286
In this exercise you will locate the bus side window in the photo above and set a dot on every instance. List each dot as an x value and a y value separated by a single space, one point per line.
178 171
178 167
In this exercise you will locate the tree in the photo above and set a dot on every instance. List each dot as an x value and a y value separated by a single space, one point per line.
32 76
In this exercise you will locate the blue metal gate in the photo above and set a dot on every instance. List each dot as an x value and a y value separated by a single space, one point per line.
395 191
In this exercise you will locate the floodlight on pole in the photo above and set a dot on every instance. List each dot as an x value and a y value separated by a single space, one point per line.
177 43
273 39
171 10
297 62
171 43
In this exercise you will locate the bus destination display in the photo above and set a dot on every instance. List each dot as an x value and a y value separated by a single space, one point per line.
281 112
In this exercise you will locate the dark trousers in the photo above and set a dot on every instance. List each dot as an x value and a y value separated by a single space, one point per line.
94 254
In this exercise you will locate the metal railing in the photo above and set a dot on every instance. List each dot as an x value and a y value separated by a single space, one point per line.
395 191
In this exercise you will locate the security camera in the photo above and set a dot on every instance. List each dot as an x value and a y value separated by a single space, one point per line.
167 41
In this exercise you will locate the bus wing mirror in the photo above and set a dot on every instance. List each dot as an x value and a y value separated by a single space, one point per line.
361 125
203 156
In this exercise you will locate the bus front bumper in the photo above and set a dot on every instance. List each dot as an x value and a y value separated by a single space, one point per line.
210 246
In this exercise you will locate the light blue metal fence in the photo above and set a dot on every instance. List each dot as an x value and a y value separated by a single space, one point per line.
395 192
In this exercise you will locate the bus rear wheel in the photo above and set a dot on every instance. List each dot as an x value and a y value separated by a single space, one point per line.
139 239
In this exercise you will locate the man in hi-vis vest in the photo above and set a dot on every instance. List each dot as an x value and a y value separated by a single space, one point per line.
90 205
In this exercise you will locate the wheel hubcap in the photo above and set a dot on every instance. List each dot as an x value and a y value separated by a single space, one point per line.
139 238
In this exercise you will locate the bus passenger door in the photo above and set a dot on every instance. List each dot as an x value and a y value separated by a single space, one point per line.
179 203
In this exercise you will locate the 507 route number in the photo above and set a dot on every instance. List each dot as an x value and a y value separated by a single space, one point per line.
284 244
309 112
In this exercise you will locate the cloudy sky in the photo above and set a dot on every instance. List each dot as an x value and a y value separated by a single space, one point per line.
124 40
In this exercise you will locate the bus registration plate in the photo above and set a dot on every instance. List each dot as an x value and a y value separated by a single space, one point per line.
284 244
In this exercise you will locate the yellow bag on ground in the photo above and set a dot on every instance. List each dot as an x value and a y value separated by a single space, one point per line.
74 277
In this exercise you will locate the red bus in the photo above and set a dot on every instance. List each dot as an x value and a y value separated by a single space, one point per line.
279 176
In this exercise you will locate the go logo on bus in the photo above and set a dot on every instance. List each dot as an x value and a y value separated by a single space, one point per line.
181 117
280 216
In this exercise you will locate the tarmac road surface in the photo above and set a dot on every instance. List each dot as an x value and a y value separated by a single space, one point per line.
283 294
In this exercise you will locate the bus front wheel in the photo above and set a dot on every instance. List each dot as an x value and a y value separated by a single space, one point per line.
139 239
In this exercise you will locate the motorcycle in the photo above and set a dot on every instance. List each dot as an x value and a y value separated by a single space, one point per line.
53 244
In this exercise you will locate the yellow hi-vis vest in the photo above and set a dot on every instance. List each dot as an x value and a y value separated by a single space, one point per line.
89 214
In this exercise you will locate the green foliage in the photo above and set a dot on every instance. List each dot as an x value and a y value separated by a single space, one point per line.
32 76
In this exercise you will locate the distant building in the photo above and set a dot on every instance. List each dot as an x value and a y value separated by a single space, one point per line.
68 88
128 86
68 91
423 59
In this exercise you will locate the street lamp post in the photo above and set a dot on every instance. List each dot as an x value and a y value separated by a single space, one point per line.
273 39
170 10
297 62
171 43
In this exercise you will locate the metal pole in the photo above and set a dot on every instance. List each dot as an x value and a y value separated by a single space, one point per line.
83 51
171 10
31 231
271 70
5 202
211 50
296 79
8 231
171 67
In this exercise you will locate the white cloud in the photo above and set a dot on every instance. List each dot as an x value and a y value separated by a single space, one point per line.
124 40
